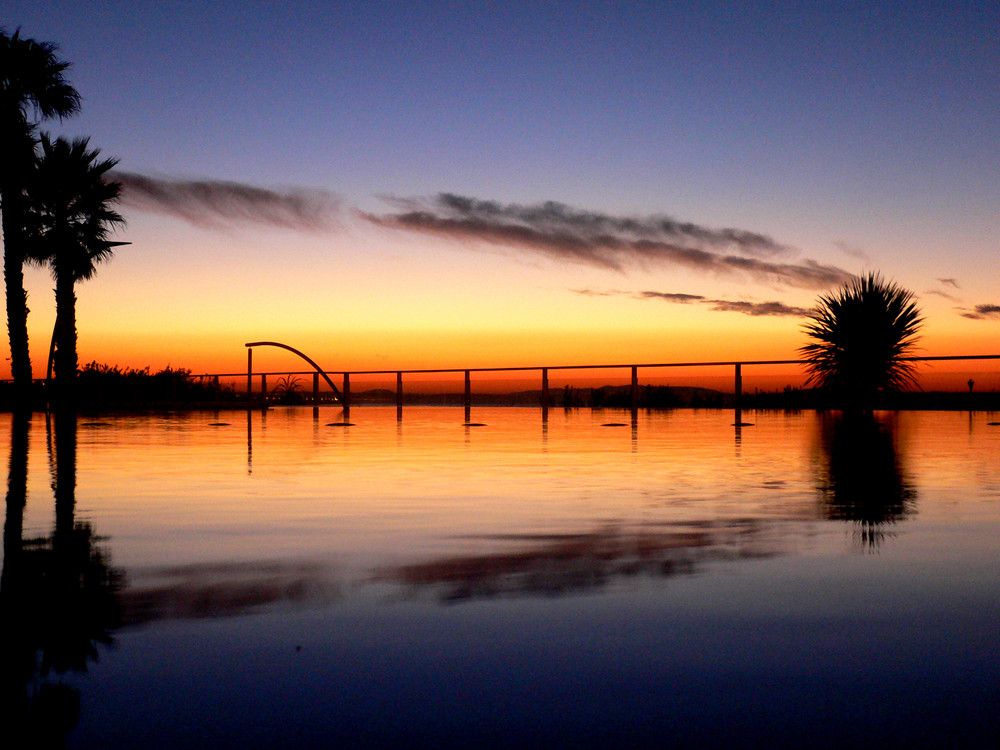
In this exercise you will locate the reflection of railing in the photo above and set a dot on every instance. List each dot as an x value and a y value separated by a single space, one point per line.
345 393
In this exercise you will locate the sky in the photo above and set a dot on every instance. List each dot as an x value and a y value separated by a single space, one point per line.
417 185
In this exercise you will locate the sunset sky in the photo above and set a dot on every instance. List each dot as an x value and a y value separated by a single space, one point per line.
406 185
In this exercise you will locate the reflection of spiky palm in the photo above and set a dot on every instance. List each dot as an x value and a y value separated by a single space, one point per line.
861 334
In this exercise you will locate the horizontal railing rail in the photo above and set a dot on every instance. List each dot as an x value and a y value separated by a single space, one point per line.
530 368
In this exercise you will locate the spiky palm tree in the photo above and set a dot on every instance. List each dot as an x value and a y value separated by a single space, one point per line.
862 334
32 88
72 201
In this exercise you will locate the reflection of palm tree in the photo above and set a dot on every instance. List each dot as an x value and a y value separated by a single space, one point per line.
18 664
83 586
861 334
58 599
72 200
862 479
32 87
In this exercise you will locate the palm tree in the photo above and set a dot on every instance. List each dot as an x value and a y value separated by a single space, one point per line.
32 88
72 218
862 334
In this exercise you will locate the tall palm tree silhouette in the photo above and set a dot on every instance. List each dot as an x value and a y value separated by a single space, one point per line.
862 333
32 88
71 199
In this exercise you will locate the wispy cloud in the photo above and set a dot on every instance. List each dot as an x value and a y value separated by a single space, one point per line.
671 297
598 292
945 295
217 203
759 308
950 282
852 251
563 233
983 312
717 305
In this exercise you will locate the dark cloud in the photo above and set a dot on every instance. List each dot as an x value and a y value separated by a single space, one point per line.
718 305
566 234
950 282
214 203
982 312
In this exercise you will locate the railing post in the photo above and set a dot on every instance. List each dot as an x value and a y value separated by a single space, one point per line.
738 393
545 388
345 395
263 390
399 396
468 395
315 389
249 375
635 389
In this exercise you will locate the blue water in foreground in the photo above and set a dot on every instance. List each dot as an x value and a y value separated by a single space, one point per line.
665 582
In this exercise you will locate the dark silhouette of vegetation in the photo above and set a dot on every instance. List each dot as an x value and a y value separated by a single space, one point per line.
862 333
101 385
288 391
32 88
72 219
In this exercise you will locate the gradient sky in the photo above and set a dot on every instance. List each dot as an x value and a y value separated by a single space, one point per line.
289 168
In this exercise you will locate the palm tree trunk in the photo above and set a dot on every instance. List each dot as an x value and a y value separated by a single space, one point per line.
17 297
65 336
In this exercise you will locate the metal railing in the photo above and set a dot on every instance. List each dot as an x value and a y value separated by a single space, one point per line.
344 395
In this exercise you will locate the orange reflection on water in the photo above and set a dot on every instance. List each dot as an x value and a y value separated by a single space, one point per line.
522 486
214 486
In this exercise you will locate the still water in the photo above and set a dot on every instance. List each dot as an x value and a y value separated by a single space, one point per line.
218 579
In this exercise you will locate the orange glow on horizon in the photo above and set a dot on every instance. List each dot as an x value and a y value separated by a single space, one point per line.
408 350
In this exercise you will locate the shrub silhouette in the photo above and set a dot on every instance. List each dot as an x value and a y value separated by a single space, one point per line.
862 334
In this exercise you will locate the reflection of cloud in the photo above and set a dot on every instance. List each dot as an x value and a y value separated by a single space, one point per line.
982 312
613 242
223 589
552 564
212 203
717 305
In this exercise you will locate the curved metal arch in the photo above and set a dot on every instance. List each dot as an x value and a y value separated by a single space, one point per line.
318 369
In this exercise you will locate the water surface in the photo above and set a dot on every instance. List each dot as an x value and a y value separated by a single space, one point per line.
584 578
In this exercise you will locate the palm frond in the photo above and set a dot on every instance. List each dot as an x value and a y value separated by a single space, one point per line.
32 79
73 201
